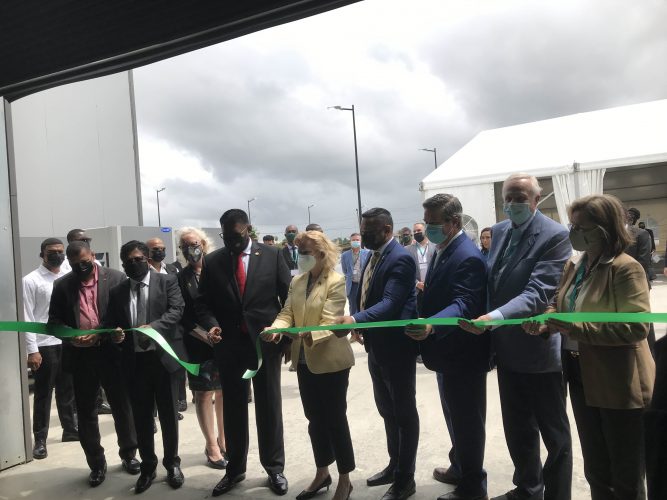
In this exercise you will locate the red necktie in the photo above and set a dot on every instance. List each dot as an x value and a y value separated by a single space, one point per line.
240 274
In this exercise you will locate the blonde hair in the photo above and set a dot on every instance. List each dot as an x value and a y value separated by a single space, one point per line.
207 245
321 244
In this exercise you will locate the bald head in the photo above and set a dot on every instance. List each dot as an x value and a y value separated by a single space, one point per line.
156 252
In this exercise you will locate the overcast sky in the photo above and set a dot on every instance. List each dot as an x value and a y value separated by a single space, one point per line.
248 118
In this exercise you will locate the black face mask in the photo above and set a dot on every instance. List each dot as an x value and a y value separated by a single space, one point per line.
83 269
55 259
136 270
193 254
406 239
235 242
372 241
419 237
157 255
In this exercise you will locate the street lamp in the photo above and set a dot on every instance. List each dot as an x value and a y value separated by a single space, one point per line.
157 194
356 156
435 155
309 207
249 201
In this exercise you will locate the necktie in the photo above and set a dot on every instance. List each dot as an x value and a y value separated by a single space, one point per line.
368 275
240 274
294 254
140 319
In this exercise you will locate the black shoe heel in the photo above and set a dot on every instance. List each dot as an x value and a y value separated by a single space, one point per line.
305 494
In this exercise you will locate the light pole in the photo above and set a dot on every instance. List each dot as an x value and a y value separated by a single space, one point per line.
356 156
309 207
249 219
157 194
435 155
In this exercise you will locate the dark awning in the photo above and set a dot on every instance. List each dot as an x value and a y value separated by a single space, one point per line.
45 43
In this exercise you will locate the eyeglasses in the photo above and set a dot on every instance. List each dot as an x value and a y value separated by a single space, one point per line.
135 260
85 240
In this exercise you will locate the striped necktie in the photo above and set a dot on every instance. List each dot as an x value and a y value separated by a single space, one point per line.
368 275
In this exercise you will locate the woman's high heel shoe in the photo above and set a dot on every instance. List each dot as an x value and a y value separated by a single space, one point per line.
305 494
215 464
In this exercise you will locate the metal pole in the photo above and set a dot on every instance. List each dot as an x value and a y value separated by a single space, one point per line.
435 158
249 219
356 162
157 195
308 215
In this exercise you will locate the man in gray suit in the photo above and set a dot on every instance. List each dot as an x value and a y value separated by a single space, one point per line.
525 263
422 251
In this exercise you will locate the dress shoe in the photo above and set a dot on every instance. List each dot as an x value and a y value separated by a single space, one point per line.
455 495
400 491
215 464
97 476
104 409
305 494
514 494
180 416
278 483
175 477
70 436
226 484
131 466
385 476
144 482
445 475
39 450
182 405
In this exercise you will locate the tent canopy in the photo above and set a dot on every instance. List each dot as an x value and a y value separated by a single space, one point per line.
615 137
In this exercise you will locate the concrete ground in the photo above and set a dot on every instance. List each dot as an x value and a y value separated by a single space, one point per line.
64 473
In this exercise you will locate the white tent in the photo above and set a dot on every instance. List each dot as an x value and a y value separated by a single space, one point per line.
575 151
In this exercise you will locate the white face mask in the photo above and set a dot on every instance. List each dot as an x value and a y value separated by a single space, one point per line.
306 263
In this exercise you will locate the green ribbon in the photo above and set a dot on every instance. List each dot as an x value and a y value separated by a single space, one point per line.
63 332
578 317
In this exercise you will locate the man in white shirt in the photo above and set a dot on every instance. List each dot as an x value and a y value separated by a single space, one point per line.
45 352
157 253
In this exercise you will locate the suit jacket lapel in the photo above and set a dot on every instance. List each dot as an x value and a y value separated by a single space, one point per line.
126 301
102 290
228 263
523 247
76 306
253 263
386 252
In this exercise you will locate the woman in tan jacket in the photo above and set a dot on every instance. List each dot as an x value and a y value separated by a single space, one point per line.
608 365
322 359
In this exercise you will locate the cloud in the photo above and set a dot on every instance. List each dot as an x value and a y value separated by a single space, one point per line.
248 119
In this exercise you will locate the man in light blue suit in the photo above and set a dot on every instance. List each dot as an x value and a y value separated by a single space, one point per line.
353 261
525 263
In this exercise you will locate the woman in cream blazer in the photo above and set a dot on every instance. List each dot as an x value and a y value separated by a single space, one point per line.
322 359
609 366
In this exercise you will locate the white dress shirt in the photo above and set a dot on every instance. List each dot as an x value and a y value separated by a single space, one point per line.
133 308
37 288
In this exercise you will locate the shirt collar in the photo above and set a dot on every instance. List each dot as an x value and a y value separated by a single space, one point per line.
248 249
441 248
45 271
383 247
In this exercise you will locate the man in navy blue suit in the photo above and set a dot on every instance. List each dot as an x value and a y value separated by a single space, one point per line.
525 263
387 292
455 287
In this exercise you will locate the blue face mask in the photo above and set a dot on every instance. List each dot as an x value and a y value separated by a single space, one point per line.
355 244
434 233
518 212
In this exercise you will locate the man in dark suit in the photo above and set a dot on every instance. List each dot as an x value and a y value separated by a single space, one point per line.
290 250
455 287
157 251
149 299
241 291
79 300
387 292
525 263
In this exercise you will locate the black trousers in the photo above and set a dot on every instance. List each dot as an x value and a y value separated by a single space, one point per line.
611 443
533 404
463 398
50 375
324 399
394 392
93 367
153 385
180 379
234 354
